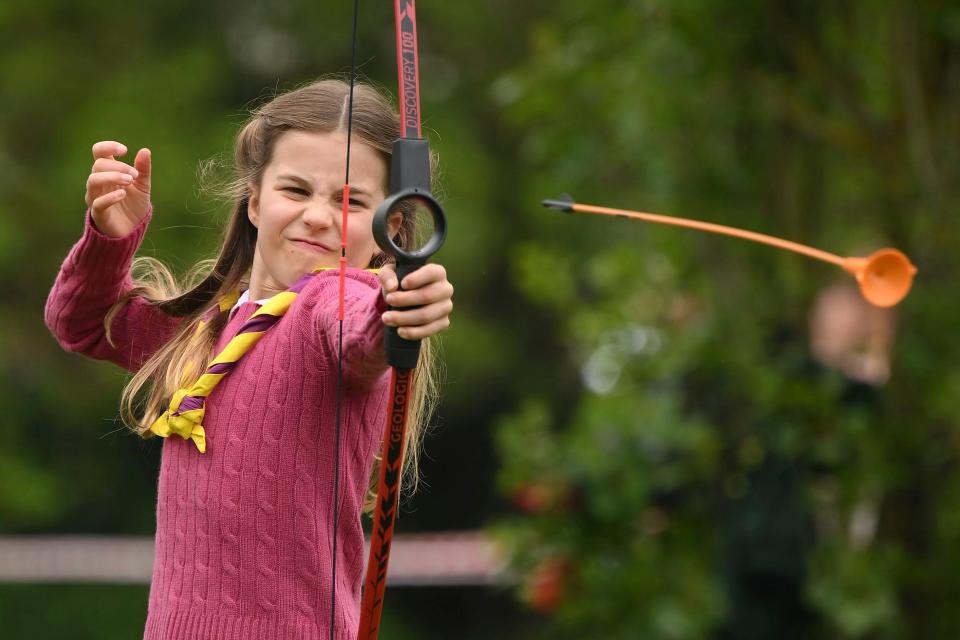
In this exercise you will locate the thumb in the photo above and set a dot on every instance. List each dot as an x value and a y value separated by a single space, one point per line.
142 163
388 278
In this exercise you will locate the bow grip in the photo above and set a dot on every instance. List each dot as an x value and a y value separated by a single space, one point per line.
402 353
410 192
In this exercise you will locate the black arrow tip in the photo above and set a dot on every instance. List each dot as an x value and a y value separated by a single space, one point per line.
563 203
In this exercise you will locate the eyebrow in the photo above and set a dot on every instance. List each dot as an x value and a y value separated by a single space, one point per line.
359 191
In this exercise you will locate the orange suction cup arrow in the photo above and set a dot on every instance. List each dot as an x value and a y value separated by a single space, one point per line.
885 276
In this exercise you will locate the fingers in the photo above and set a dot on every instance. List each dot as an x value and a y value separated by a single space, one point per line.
104 179
105 201
109 164
421 315
425 285
112 181
107 176
143 166
108 149
427 273
104 152
432 292
424 331
431 295
100 183
415 324
388 278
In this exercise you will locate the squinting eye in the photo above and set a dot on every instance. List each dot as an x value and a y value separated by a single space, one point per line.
353 201
296 190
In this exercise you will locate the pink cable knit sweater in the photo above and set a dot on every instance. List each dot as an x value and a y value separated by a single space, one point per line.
243 548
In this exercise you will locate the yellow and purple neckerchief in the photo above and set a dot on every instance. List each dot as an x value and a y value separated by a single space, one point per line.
185 415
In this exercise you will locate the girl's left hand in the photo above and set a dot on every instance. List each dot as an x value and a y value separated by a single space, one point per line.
428 288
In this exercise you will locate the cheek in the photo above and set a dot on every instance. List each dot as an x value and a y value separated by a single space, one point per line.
275 215
360 243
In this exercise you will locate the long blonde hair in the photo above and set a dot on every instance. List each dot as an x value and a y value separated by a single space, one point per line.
321 107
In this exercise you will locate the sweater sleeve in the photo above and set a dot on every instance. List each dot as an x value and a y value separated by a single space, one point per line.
364 361
94 275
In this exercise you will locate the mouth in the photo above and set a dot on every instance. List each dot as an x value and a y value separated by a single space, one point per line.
314 247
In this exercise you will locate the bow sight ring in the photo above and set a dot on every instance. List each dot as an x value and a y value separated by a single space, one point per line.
409 260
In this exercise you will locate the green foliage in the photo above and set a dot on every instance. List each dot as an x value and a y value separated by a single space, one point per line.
699 411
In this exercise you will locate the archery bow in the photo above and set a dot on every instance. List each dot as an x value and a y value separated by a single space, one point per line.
409 190
885 276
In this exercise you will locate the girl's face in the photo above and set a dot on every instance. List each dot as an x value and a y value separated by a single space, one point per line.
297 208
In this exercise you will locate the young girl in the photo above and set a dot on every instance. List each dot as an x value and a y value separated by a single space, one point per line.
245 495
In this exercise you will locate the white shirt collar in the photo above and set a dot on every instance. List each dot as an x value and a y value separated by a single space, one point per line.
245 297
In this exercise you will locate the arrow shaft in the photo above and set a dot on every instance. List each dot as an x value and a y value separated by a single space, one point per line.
710 227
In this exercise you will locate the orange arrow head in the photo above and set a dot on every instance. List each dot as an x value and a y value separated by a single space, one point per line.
885 276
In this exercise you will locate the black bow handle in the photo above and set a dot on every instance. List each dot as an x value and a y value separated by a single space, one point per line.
411 166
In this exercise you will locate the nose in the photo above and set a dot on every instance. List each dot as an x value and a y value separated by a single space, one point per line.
320 214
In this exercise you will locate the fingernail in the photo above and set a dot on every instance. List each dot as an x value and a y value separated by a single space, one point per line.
126 177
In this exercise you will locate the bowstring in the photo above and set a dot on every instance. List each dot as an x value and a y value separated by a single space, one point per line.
343 267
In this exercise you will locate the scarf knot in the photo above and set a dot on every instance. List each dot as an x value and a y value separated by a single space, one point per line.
184 418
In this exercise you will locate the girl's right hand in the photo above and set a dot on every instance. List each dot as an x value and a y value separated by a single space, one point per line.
118 195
